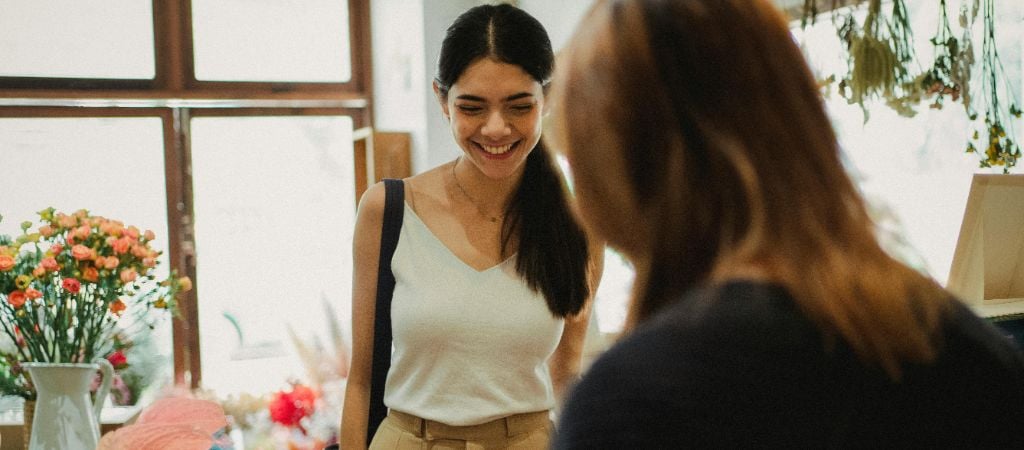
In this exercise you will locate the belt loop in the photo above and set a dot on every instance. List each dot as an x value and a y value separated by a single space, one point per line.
423 427
510 429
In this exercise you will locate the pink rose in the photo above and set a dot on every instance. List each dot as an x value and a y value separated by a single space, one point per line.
132 233
71 285
6 263
111 262
128 275
81 252
149 235
50 264
149 262
56 249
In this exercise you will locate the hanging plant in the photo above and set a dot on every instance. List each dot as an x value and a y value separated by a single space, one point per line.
881 53
810 10
1000 149
951 69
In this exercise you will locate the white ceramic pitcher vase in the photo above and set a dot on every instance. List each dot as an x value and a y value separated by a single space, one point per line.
65 416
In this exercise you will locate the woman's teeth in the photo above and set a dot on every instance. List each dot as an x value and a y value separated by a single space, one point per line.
496 150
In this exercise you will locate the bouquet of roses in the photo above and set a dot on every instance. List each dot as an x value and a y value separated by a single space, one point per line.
69 286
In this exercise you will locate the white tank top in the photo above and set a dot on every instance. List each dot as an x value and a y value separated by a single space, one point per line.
469 346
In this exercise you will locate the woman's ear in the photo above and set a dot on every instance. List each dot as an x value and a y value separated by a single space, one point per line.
442 99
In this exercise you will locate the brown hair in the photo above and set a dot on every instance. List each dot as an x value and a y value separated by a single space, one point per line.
714 121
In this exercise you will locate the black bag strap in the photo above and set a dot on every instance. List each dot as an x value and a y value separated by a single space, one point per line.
394 207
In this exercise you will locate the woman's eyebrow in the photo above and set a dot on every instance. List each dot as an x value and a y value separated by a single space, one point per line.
513 97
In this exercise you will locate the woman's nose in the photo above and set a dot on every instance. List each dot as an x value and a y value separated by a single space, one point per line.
496 126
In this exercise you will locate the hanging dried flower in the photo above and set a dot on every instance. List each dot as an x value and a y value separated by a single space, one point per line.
1000 149
881 55
952 64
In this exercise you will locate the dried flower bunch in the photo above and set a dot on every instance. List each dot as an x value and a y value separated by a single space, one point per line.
880 59
881 56
69 286
950 74
1000 149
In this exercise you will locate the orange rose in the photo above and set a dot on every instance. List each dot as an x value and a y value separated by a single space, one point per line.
116 228
6 263
81 252
121 245
111 262
140 251
46 231
149 262
83 232
38 272
132 233
117 307
32 293
66 221
16 299
90 274
149 235
55 249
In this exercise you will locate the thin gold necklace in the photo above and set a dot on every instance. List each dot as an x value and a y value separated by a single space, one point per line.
479 210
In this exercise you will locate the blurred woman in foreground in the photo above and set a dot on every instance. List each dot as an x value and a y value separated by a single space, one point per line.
765 311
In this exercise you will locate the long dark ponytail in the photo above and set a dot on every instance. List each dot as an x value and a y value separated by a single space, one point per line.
551 249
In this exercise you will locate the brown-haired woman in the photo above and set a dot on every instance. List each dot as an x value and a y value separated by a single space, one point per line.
765 311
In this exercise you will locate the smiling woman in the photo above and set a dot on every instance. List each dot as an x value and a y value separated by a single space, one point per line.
493 277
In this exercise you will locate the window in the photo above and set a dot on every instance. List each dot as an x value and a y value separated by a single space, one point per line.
184 116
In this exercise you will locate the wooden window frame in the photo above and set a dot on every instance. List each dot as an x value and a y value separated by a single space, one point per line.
175 96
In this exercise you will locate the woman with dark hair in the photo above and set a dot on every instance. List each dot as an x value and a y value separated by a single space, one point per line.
764 313
492 275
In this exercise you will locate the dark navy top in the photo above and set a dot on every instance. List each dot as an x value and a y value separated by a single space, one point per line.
741 366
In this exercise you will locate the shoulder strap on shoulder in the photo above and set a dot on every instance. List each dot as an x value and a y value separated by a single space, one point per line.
394 208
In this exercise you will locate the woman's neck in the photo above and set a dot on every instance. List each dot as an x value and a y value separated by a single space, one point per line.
491 196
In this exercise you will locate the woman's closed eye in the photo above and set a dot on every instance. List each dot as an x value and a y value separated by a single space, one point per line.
522 108
470 109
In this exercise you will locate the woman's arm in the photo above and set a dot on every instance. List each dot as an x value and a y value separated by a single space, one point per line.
365 256
564 364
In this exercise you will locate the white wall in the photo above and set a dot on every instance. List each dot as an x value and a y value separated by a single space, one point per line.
398 55
558 17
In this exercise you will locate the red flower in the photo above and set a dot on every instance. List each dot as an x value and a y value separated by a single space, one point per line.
16 299
117 359
288 408
117 306
71 285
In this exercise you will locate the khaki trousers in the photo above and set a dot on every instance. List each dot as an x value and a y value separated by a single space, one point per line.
401 431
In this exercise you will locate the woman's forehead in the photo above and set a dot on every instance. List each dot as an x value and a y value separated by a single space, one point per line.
488 80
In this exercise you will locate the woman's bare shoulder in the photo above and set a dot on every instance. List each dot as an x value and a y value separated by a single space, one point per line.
428 189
